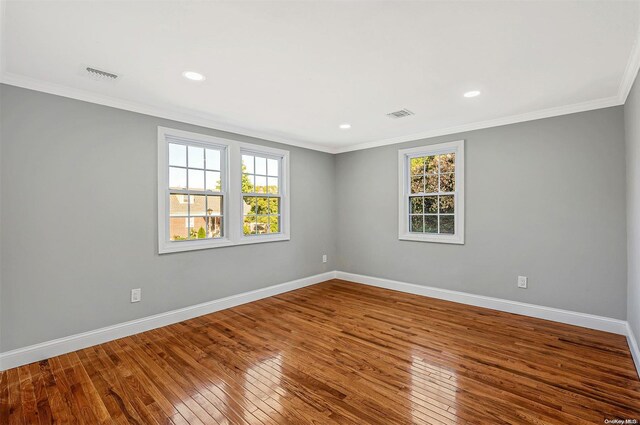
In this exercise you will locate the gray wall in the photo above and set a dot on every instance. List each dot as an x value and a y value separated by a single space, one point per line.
544 199
79 222
632 134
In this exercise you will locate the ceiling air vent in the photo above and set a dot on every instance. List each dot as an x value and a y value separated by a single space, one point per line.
400 114
100 75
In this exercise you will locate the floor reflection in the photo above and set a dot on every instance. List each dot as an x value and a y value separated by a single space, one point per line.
433 391
265 375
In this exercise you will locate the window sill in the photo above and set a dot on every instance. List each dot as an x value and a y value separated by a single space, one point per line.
247 240
450 239
183 246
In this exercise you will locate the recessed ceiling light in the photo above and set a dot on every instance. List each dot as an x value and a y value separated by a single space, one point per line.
472 93
192 75
345 126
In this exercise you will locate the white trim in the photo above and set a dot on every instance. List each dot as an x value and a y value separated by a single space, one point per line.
285 191
548 313
56 347
631 70
231 173
199 119
164 245
633 347
205 121
404 155
513 119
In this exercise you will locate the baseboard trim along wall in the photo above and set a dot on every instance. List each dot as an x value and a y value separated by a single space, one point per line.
56 347
554 314
584 320
71 343
633 346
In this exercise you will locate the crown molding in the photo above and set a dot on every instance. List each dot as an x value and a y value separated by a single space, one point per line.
142 108
513 119
204 121
631 71
628 78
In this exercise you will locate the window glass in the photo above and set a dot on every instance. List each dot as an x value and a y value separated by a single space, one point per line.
261 213
431 204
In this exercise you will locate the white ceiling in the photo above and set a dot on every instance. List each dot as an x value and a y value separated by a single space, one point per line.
294 71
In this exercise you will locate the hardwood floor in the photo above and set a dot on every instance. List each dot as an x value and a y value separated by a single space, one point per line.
336 352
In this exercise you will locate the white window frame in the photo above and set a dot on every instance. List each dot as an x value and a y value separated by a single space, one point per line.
231 176
404 190
283 188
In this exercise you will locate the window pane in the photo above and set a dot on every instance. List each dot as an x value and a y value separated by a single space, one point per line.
274 224
213 159
261 165
417 166
272 185
262 224
261 184
196 157
431 164
198 206
447 163
416 205
248 183
416 223
247 164
417 184
198 228
214 227
213 181
448 182
177 178
214 205
273 206
261 205
447 204
273 167
447 224
205 228
177 155
431 204
431 223
178 204
178 228
248 205
432 183
249 225
196 179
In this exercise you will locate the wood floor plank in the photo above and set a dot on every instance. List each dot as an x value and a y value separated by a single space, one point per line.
336 353
28 396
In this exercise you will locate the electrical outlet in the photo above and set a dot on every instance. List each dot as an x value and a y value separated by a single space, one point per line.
136 295
522 282
324 258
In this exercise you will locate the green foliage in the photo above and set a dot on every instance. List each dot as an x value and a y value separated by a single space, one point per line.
247 187
432 174
202 234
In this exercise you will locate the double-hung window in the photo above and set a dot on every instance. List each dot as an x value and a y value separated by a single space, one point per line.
215 192
431 187
261 194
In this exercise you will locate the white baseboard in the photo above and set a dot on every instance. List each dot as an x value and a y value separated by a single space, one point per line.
56 347
71 343
633 346
554 314
585 320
